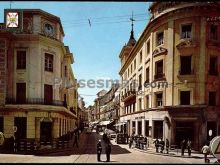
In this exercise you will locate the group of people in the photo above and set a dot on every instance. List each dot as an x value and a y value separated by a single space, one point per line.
161 144
140 141
107 145
186 144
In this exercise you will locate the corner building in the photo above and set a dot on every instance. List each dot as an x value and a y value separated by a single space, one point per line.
38 98
176 65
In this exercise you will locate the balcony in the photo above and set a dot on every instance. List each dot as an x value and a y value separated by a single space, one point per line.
38 101
129 95
159 76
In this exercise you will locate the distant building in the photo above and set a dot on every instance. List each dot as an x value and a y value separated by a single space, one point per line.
38 92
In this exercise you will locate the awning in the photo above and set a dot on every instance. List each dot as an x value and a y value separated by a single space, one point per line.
121 123
105 122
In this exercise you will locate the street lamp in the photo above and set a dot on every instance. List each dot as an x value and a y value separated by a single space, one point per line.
210 134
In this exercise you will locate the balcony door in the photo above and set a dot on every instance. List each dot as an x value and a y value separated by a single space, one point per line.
21 93
48 94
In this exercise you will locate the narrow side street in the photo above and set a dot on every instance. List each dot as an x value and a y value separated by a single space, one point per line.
86 153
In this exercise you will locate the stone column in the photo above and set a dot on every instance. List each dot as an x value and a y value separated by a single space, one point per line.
8 126
136 127
55 130
31 133
143 127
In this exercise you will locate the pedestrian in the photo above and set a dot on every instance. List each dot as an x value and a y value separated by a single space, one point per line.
99 150
167 145
145 142
156 142
131 141
104 137
75 140
162 144
189 146
205 151
108 150
183 146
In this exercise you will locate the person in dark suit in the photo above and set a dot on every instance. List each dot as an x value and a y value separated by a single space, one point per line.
108 150
99 150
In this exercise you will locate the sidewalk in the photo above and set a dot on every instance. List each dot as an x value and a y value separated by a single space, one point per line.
172 153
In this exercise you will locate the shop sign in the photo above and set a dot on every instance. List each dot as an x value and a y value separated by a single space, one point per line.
140 117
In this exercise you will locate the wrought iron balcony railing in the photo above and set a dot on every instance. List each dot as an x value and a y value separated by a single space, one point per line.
38 101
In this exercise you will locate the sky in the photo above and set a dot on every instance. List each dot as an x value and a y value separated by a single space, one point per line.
95 33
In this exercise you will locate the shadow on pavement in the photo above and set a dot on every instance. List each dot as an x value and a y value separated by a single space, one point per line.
87 145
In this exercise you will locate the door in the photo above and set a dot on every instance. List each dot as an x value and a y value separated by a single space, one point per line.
48 94
21 124
184 130
46 131
21 93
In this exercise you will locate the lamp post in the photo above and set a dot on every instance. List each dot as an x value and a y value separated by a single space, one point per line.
210 134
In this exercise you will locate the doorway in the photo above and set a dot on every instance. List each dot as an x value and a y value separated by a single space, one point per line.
184 130
46 131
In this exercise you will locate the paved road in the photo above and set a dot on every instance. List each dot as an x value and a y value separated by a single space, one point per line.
86 153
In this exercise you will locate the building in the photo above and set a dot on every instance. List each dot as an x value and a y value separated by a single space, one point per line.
38 92
108 106
172 72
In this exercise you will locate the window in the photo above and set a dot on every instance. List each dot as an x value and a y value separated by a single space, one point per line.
48 62
21 124
65 71
212 98
185 64
214 32
21 59
146 128
185 98
147 75
134 107
139 127
134 64
186 31
140 82
20 93
158 129
160 38
140 107
128 72
148 47
213 66
159 99
140 57
147 101
48 94
133 127
159 69
131 68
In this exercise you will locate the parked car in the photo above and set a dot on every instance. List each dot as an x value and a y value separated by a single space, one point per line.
111 134
121 138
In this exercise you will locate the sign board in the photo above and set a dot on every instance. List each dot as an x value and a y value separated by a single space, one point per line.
215 147
2 138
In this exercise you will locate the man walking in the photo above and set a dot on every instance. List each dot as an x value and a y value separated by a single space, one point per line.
167 145
183 146
99 150
205 151
156 142
75 140
189 147
108 150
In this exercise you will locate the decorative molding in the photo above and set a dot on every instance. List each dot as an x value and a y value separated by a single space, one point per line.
159 51
185 43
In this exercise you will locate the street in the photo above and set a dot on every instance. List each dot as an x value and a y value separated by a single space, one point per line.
86 153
